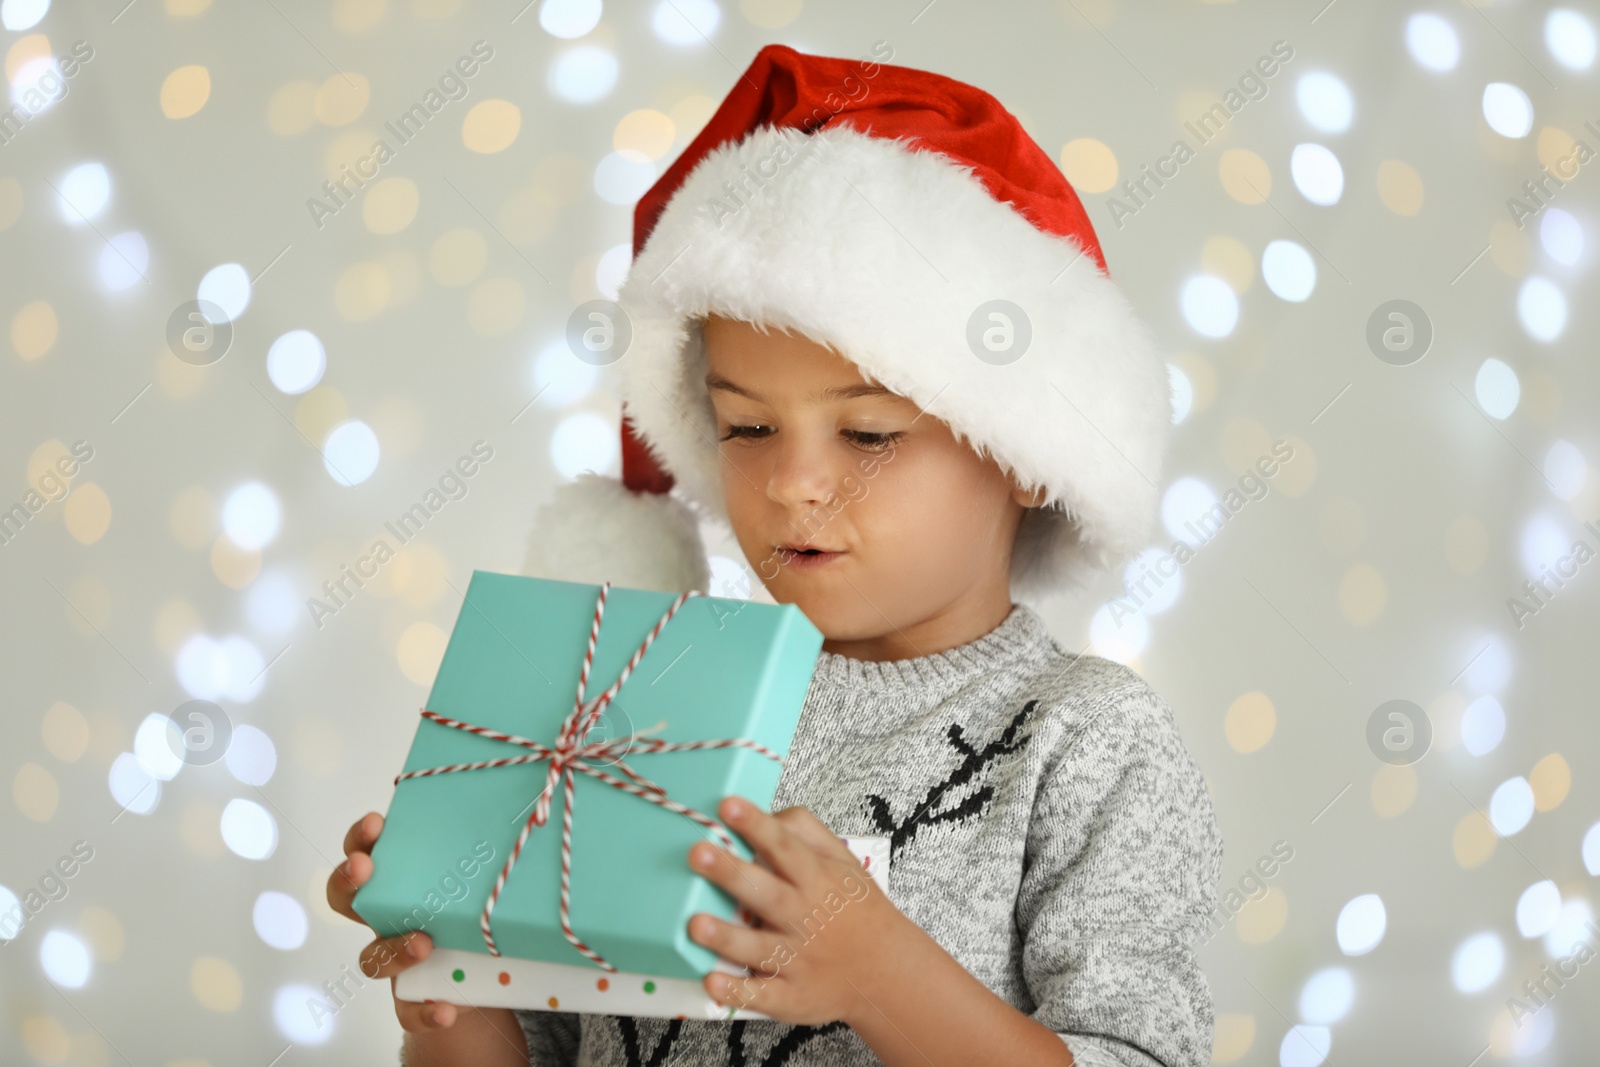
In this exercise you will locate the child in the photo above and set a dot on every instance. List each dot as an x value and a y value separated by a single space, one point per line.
856 329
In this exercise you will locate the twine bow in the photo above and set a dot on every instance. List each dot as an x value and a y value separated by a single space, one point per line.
572 752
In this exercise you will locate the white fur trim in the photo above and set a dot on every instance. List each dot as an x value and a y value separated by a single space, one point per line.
595 530
885 252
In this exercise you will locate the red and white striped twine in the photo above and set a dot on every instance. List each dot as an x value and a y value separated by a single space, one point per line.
570 754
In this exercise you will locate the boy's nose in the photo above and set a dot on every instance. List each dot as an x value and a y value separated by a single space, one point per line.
801 475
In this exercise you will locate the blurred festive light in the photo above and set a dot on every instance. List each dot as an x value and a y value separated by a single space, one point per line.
209 669
1184 508
686 22
1590 850
1570 38
1544 542
272 603
228 287
1571 929
1154 580
1498 389
1483 725
1325 101
1533 1037
559 377
132 787
1477 962
1288 270
1317 173
1507 110
1538 908
249 830
1432 42
1511 806
279 920
1304 1046
243 666
295 361
612 269
1361 924
1561 235
1209 305
1542 308
19 15
1327 995
350 454
583 75
569 19
1182 390
84 192
292 1010
251 515
65 959
1118 634
583 441
623 177
1490 668
251 756
202 668
124 260
152 749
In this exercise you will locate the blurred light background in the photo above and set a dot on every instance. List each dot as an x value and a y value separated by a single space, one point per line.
1368 267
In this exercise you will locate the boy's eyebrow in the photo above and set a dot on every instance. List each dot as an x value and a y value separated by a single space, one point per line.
837 392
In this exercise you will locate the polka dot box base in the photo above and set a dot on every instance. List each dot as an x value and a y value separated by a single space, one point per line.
485 981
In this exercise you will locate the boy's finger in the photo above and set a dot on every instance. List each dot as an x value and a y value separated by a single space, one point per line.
346 878
417 1016
792 858
362 833
388 956
804 824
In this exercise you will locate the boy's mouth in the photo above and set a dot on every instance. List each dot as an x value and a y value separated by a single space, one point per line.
806 556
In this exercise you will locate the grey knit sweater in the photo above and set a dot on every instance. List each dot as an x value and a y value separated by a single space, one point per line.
1047 827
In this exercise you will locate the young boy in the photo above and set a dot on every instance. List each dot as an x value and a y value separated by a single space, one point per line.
860 334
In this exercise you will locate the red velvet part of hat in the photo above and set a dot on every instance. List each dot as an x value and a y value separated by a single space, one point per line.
788 89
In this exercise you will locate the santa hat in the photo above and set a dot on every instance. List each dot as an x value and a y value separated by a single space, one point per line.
908 221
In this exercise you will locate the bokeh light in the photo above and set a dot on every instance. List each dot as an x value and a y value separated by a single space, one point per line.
1432 42
1361 925
249 830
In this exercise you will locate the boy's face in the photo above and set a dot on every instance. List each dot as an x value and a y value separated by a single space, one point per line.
914 529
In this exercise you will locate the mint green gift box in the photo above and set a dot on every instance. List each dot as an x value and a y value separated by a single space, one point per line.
720 668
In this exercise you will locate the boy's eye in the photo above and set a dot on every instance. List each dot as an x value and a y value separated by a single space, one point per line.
870 441
874 442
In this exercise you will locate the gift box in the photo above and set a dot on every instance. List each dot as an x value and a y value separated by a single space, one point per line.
576 743
472 978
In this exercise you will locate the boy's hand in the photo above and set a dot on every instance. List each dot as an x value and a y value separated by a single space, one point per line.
824 932
386 956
